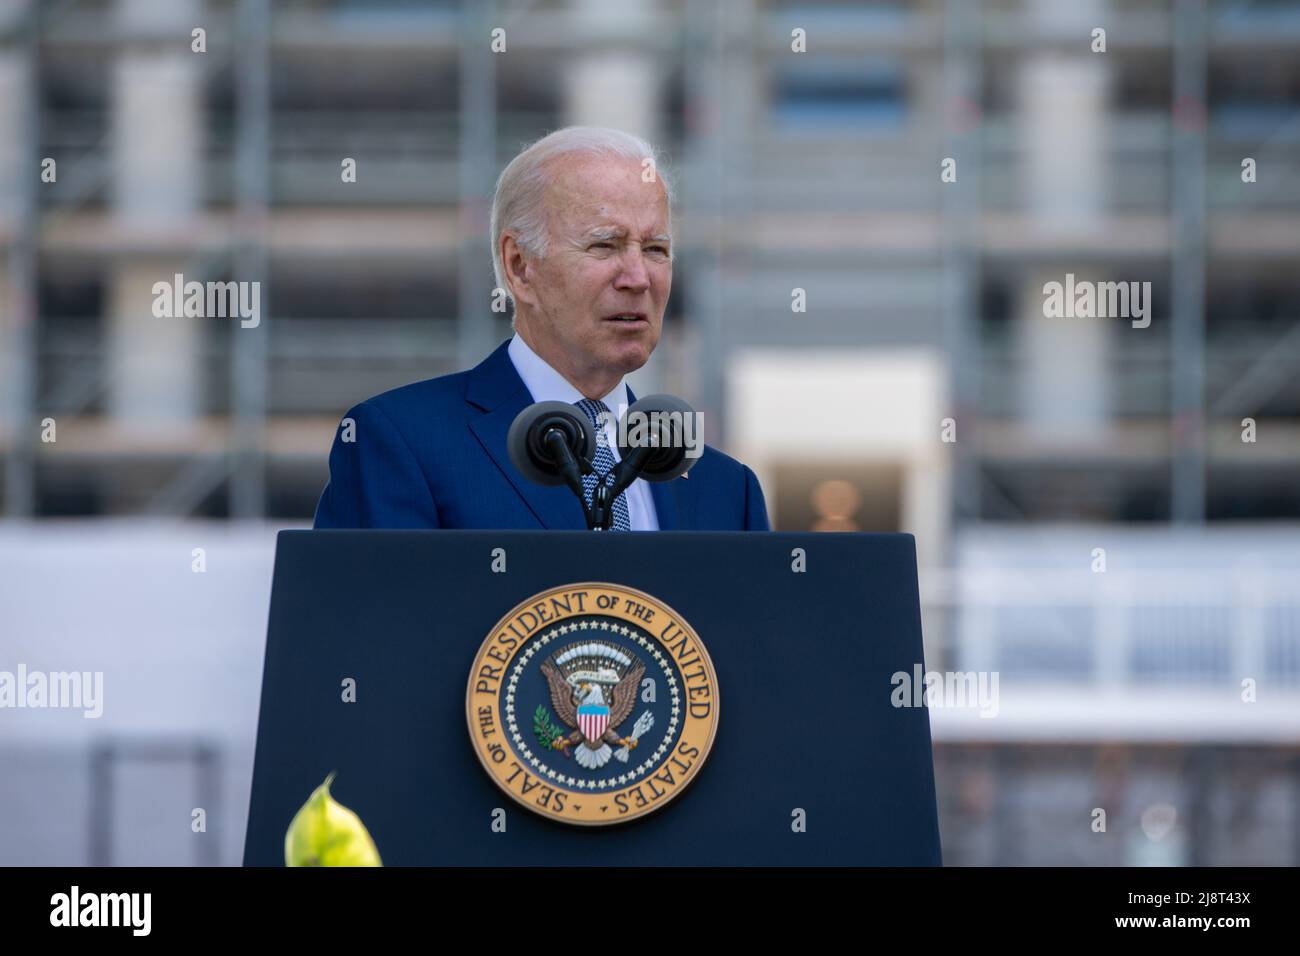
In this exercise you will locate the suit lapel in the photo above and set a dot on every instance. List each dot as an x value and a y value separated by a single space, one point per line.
496 388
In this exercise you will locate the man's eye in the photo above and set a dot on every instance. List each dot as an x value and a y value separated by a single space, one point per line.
602 245
662 250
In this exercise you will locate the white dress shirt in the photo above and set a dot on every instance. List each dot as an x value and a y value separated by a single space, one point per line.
548 385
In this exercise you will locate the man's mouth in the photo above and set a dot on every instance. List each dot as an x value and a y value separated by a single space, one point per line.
629 318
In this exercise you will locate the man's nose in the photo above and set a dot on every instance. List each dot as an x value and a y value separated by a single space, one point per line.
633 275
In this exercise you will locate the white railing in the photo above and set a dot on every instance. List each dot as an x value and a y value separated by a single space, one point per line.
1176 627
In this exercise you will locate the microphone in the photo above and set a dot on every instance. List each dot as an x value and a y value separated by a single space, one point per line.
651 445
552 443
655 450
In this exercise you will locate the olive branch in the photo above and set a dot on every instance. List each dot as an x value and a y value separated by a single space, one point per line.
546 729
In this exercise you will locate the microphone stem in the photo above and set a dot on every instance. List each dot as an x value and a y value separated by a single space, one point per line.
569 468
628 469
625 471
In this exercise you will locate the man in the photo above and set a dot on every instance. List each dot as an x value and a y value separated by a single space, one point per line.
581 242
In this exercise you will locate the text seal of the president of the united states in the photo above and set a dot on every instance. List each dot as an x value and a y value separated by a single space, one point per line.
592 703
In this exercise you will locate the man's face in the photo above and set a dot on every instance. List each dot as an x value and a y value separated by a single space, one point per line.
608 256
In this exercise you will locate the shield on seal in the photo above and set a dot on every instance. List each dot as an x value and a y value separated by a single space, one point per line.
592 720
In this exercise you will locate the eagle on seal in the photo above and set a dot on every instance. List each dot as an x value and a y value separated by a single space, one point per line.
593 707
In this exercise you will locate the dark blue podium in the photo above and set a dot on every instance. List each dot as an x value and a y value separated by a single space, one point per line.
811 763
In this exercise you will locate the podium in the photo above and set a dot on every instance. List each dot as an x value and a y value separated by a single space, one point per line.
809 760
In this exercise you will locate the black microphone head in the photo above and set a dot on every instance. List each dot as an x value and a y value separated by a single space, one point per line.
662 422
527 447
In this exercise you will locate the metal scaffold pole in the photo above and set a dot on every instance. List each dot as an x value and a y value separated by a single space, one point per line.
477 144
1187 300
249 350
21 301
960 210
708 29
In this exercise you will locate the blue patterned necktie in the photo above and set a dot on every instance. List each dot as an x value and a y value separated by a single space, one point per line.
602 464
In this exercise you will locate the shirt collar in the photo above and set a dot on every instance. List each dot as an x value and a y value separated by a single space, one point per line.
547 385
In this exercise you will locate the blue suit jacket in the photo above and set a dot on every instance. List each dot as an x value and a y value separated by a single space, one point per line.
433 455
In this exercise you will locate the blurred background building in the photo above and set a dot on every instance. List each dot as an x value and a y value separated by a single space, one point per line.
870 338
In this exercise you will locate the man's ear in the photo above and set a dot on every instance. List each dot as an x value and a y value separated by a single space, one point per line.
515 266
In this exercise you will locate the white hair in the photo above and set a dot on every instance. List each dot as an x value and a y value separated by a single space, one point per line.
518 204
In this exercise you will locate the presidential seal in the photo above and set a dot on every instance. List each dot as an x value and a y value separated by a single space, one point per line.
592 704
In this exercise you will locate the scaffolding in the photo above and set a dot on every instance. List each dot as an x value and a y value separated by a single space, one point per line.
773 200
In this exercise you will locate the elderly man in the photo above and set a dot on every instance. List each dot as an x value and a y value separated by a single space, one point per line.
581 242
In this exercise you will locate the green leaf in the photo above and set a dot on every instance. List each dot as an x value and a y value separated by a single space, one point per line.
545 729
326 833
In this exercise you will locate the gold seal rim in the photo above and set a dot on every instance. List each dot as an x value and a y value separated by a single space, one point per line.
672 612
